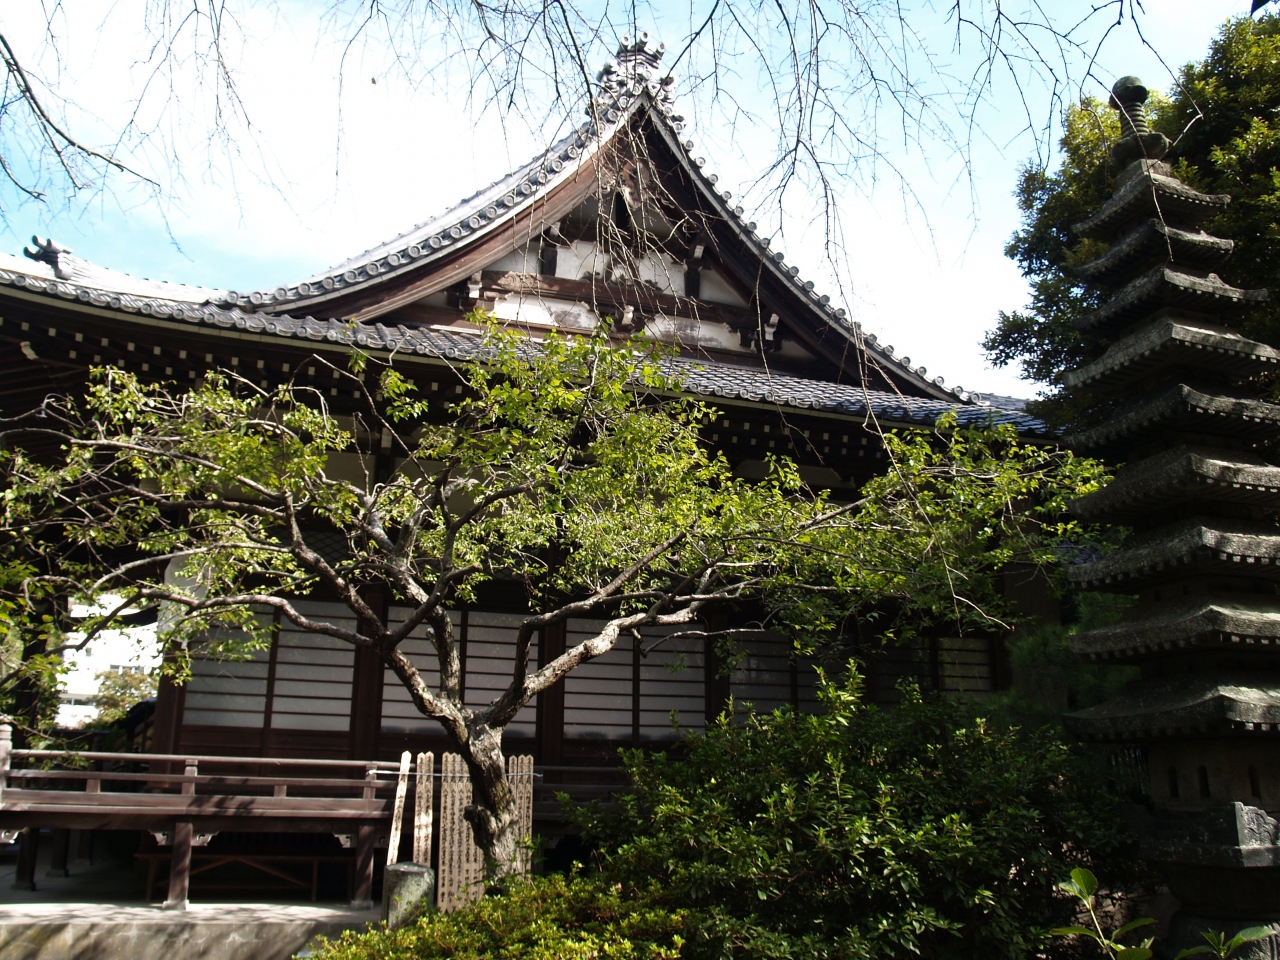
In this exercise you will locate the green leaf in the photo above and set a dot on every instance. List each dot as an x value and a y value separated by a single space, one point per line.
1192 951
1085 881
1073 932
1252 934
1132 925
1134 953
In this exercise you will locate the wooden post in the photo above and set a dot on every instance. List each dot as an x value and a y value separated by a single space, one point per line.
192 770
715 685
397 810
551 701
24 877
84 845
422 816
180 864
6 755
363 899
58 853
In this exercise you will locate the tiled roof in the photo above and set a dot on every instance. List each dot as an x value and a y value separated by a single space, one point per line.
702 377
763 386
631 83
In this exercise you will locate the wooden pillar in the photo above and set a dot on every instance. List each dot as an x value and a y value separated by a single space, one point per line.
551 701
635 692
935 664
165 736
363 899
268 709
84 847
179 867
716 686
28 845
366 692
58 852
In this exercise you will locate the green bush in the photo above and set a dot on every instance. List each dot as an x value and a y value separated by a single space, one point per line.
918 831
1049 679
539 918
860 833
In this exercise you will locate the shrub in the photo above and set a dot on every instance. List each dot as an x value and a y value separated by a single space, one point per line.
860 833
537 918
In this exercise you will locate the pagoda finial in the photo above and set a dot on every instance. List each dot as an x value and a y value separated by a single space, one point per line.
1137 142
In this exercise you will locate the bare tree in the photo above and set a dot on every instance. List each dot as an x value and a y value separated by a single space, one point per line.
845 84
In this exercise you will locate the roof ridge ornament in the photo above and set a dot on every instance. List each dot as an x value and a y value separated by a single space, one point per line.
54 254
635 67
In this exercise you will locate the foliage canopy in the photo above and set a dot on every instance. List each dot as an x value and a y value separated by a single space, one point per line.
571 469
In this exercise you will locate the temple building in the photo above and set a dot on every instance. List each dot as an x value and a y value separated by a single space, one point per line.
620 223
1200 493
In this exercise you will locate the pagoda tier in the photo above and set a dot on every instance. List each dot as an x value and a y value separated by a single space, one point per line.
1153 242
1149 189
1170 286
1174 347
1200 495
1184 477
1180 412
1223 625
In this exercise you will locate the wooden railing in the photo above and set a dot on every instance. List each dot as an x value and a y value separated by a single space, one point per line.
76 789
186 799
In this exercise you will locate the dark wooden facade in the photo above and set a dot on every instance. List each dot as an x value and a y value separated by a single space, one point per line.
620 225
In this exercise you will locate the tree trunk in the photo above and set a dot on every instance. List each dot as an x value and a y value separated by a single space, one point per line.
493 815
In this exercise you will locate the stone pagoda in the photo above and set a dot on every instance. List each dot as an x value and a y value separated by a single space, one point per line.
1199 491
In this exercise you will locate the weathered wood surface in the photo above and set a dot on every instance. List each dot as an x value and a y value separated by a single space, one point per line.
49 797
397 810
460 876
422 812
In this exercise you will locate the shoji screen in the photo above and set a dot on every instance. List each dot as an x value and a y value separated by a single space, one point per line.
598 694
313 674
629 694
399 715
672 678
762 677
228 693
488 645
768 676
491 645
966 664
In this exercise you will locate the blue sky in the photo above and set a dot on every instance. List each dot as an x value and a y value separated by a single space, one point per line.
327 174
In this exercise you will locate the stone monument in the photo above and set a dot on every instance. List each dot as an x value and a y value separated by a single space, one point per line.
1200 494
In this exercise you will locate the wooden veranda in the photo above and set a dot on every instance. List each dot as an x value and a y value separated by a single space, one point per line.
184 800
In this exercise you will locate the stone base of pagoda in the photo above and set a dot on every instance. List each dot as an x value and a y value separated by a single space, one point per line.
1223 866
1187 930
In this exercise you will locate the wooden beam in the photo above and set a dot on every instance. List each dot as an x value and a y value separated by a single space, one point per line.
366 691
550 713
617 295
715 685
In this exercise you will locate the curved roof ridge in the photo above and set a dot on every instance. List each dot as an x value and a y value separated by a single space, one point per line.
708 378
629 83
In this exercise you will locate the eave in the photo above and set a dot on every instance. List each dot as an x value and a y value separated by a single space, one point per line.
405 270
